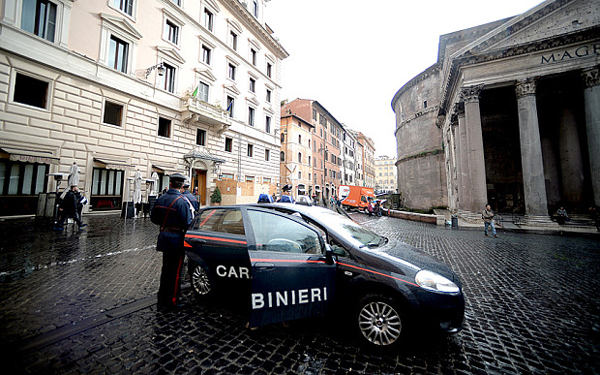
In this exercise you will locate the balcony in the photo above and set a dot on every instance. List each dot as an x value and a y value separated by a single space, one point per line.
194 110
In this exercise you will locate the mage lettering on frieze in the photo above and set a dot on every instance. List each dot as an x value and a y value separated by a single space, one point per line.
580 52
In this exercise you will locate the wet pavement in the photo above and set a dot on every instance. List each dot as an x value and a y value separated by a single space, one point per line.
84 302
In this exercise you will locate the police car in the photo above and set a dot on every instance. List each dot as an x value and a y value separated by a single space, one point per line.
282 262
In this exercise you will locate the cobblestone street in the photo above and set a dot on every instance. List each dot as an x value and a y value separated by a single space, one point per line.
84 302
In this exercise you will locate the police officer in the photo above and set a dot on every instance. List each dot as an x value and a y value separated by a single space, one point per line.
172 212
190 197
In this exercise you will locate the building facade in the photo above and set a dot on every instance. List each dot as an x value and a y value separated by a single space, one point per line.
296 156
513 110
155 87
368 160
386 175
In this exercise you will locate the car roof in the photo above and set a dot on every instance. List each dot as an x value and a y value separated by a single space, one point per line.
312 211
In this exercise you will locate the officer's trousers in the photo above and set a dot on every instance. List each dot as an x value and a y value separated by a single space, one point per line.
170 283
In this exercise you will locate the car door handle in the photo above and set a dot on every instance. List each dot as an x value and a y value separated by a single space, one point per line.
264 265
196 241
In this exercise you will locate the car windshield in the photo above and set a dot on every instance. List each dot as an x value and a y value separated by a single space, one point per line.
350 230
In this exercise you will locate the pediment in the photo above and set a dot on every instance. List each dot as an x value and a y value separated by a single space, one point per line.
121 24
205 73
252 100
171 54
543 22
212 4
232 88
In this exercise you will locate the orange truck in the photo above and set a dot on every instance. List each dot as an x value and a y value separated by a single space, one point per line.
355 196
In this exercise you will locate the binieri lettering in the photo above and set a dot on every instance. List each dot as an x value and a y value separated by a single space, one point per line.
288 298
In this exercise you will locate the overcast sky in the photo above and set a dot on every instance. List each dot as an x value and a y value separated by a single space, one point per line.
352 56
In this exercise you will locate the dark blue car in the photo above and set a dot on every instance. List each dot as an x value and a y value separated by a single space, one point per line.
282 262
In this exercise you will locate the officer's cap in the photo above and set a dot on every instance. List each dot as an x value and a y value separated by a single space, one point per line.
177 177
186 183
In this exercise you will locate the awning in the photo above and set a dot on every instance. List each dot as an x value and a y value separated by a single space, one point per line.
30 156
202 155
167 170
114 163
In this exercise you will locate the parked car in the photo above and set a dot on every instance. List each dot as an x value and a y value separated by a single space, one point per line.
281 262
304 199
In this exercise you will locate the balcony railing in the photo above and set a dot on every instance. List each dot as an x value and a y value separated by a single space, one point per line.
194 110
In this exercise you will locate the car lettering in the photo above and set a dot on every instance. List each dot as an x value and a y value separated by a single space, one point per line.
240 273
288 297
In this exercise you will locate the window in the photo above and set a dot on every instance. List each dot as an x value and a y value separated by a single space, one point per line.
164 127
253 56
268 124
251 112
113 113
201 137
30 91
282 156
281 234
255 8
231 72
227 176
117 54
18 178
252 85
266 180
176 2
202 92
249 178
268 98
267 155
309 160
105 183
169 78
228 144
300 157
172 32
314 114
300 138
208 19
206 54
233 40
125 6
250 150
299 175
230 105
269 69
282 137
39 18
221 220
425 104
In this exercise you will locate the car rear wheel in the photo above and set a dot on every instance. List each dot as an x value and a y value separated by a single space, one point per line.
379 320
200 280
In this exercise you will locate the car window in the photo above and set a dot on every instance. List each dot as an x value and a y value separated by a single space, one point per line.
221 220
278 233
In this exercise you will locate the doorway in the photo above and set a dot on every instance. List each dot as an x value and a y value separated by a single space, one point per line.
199 181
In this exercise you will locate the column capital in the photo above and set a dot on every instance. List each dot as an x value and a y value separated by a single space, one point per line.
591 77
471 94
526 87
457 111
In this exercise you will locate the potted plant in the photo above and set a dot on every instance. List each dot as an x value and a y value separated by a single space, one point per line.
215 197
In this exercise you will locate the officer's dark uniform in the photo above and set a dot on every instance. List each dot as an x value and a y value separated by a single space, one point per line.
172 212
190 197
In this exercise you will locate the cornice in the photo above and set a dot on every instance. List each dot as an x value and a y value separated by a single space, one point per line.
244 16
435 68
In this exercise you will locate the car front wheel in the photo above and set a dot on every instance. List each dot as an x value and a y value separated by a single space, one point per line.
379 321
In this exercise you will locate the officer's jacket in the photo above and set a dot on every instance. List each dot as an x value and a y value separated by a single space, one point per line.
172 212
192 199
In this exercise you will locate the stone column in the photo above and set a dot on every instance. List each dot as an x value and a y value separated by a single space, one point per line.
534 187
475 180
462 166
591 96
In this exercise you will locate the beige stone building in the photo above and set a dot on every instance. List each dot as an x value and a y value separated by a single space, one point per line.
509 115
120 87
296 155
385 174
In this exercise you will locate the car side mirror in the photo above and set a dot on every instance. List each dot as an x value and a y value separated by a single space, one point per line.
328 254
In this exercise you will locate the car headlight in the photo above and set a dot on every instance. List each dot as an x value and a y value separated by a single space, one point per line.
435 282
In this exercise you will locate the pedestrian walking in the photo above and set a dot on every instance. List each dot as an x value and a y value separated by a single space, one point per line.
172 212
69 208
488 220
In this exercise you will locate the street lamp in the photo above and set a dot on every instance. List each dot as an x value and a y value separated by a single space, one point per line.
159 67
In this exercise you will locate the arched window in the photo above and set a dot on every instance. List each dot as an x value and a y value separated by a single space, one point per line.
300 157
300 138
282 137
282 156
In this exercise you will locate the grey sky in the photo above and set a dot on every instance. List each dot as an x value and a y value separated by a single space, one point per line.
352 56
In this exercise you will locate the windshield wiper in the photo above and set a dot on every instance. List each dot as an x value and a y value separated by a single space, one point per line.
382 241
